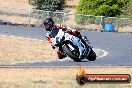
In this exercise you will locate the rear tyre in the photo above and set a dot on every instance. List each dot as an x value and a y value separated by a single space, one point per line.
91 56
67 50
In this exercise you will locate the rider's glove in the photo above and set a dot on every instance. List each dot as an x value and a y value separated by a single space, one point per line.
48 34
77 34
53 46
74 33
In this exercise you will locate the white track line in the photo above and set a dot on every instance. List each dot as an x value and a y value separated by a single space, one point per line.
47 61
12 63
22 38
125 66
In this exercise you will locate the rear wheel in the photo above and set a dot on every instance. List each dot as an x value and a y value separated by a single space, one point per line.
91 56
73 54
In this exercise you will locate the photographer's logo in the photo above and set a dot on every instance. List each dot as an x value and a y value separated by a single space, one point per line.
82 78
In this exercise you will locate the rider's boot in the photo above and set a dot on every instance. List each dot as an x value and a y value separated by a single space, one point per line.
60 55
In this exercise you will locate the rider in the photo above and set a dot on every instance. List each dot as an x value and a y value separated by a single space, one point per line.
49 26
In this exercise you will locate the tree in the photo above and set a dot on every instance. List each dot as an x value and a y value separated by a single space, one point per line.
127 10
111 8
49 5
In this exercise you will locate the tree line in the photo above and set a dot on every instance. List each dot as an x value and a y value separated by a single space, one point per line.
108 8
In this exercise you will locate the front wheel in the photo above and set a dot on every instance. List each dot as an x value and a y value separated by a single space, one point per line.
91 56
73 54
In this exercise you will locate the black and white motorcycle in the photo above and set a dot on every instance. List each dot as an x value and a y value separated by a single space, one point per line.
72 46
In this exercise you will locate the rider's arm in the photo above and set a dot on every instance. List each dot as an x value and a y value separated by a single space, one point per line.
49 38
74 32
48 34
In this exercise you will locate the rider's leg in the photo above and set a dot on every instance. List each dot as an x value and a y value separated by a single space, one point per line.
60 53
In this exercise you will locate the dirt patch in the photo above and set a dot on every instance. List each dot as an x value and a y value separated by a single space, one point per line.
55 77
125 29
19 4
18 49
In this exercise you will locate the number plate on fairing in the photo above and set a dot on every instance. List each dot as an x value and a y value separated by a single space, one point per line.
71 47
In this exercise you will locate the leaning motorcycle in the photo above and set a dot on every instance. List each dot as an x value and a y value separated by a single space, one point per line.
69 46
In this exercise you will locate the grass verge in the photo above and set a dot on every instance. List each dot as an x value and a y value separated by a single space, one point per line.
18 49
55 77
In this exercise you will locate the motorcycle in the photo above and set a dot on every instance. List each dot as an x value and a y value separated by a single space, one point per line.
68 45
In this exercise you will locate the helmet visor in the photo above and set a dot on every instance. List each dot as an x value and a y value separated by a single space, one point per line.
47 27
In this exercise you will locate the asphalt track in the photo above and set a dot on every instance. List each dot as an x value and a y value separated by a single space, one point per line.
118 46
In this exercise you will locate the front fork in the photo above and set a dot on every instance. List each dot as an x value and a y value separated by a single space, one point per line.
88 48
86 39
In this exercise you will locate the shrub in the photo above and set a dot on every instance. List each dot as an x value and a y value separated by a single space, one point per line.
49 5
108 8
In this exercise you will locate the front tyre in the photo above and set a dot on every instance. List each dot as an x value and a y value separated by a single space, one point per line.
70 53
91 56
